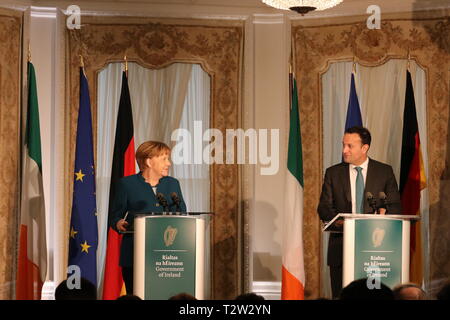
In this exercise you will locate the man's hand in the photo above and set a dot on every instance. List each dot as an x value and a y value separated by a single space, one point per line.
339 223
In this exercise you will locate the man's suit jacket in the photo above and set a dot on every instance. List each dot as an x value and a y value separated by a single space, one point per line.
336 198
135 195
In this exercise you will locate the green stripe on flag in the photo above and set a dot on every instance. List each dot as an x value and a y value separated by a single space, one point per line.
295 159
33 132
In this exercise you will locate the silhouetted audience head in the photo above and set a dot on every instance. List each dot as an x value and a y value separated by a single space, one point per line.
409 291
85 290
183 296
129 297
444 293
360 290
249 296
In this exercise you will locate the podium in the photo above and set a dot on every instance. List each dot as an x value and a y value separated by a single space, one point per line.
171 255
375 247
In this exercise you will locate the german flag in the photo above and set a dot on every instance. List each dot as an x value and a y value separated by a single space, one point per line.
412 178
123 165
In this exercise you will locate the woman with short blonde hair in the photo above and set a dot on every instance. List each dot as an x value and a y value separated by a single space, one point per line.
150 149
150 190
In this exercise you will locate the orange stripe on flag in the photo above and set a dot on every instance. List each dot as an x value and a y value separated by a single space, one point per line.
291 287
28 283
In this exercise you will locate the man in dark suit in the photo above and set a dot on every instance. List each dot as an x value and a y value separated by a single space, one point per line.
344 191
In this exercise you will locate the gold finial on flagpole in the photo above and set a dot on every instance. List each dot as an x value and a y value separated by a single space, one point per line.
409 60
126 65
29 52
354 66
81 61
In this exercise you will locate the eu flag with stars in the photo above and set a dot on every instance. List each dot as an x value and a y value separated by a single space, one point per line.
83 223
353 111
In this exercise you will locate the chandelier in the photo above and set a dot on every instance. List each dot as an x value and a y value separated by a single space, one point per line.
302 6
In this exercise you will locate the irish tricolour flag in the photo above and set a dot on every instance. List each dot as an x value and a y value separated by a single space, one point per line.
293 271
32 264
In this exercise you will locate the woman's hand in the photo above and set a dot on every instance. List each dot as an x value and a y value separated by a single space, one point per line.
122 225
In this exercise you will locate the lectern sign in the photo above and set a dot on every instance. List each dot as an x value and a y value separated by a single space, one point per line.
375 247
169 257
378 250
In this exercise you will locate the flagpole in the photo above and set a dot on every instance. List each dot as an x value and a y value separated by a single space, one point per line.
126 65
29 52
291 76
409 60
291 80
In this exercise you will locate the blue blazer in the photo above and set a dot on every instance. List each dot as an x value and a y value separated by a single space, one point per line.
133 194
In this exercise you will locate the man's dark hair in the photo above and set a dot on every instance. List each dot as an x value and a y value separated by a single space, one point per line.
399 293
86 291
358 290
363 133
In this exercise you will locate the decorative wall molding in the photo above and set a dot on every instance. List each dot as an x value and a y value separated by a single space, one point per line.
48 290
11 24
270 290
268 18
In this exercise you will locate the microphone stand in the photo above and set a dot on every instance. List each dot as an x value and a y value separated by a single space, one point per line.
163 202
176 200
374 206
372 203
384 202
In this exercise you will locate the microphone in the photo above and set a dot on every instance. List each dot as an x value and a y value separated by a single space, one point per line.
384 201
162 201
372 202
176 200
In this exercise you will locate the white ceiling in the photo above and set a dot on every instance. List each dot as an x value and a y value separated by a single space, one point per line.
232 7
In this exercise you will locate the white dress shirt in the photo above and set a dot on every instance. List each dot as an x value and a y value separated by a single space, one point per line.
353 175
